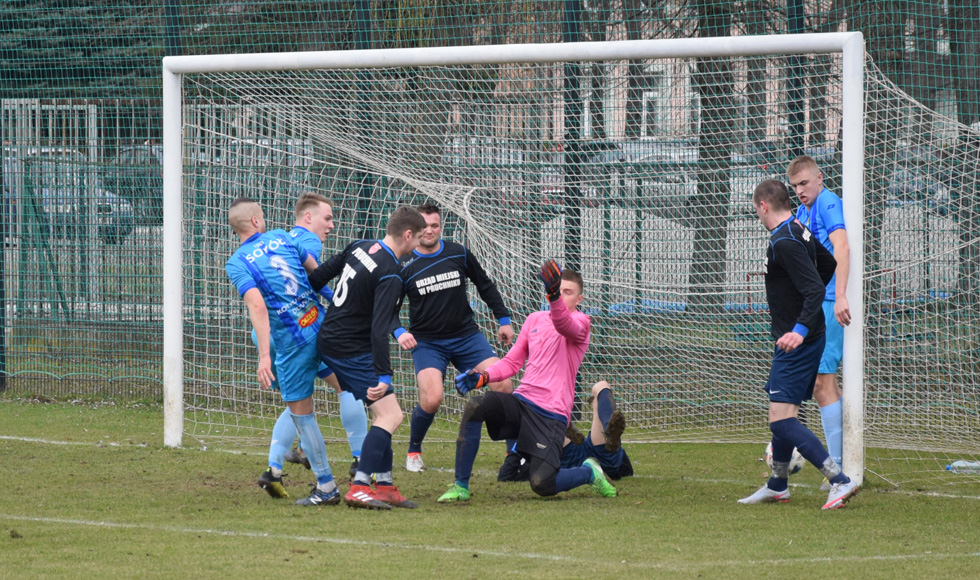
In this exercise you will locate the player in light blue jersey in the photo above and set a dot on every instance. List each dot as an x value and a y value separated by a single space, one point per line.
822 212
314 221
270 274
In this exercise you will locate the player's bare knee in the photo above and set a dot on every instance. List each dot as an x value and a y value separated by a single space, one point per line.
430 401
599 387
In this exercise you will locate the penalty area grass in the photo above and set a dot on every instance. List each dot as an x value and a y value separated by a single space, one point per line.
89 491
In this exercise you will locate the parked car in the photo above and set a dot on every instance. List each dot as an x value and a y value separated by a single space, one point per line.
57 191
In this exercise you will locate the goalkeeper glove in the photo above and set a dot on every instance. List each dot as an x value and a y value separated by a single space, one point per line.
550 274
471 379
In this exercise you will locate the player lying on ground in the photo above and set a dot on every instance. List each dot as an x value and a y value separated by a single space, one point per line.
602 443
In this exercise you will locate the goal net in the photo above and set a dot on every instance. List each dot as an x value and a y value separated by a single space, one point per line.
633 162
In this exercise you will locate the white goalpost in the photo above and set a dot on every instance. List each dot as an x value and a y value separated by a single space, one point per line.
533 151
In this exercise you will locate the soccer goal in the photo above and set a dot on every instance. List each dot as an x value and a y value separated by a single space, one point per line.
632 161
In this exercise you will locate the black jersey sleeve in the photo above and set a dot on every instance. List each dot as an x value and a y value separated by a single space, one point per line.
826 264
387 303
794 258
485 287
327 271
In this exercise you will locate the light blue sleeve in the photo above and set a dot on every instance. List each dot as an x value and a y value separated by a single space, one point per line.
239 275
831 211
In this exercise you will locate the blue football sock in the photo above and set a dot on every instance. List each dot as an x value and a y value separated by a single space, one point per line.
354 418
605 405
467 446
312 441
832 417
418 427
376 443
511 445
572 477
283 434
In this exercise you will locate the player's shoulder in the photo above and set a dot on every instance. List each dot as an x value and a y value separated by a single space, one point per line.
451 248
790 231
828 200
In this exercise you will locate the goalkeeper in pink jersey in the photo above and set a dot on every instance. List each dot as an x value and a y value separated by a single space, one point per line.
538 412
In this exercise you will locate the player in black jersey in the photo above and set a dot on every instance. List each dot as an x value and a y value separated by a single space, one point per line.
797 271
353 341
441 325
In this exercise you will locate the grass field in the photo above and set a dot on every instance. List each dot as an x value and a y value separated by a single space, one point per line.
89 492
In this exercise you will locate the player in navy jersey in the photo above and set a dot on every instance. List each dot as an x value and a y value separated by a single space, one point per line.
822 212
441 325
603 442
270 273
354 342
797 271
314 221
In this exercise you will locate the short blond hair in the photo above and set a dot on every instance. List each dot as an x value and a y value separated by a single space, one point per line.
240 213
799 164
308 201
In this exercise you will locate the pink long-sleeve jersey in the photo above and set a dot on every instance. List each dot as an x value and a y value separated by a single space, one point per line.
553 343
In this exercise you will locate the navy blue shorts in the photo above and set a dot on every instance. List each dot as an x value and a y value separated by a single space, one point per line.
356 375
793 374
573 455
465 353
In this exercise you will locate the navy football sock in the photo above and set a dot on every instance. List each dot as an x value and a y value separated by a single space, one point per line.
605 405
467 446
782 453
376 443
572 477
418 427
796 434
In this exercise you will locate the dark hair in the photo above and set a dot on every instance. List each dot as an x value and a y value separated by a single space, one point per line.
405 218
429 207
573 276
774 193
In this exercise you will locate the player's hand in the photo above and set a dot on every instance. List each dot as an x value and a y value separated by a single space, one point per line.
506 335
407 341
550 274
264 372
471 379
789 341
376 392
842 311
